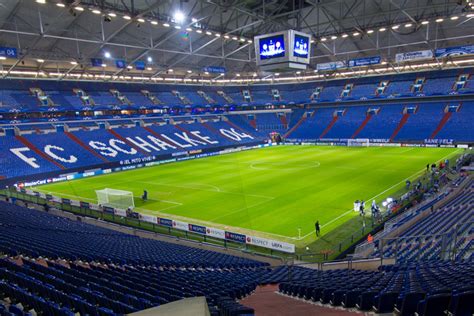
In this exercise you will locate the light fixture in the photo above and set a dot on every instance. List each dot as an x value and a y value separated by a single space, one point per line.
154 22
166 25
41 1
395 27
189 71
226 36
206 72
194 20
408 25
439 20
208 32
382 29
470 15
217 35
249 41
111 14
235 38
104 65
333 37
179 17
255 74
74 63
61 5
107 55
344 35
141 20
323 39
40 60
189 29
425 22
277 73
178 27
127 17
199 31
242 39
3 58
149 68
454 18
356 34
79 8
129 67
237 75
149 59
370 31
170 70
298 72
96 11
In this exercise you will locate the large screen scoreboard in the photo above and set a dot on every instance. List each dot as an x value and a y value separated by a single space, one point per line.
283 50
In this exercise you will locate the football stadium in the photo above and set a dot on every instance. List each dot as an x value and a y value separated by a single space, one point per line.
236 157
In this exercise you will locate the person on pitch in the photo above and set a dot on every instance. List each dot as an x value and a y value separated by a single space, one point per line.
317 228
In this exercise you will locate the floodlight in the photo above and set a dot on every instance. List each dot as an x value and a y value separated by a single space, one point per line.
179 17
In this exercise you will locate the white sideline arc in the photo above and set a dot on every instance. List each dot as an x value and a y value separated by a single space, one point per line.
352 210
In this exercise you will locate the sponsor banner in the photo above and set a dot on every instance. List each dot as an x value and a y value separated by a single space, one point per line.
357 62
165 222
333 65
140 65
96 62
49 197
215 232
235 237
75 203
120 63
417 55
439 141
66 201
181 225
108 209
84 204
148 218
454 51
197 229
271 244
214 69
120 212
8 52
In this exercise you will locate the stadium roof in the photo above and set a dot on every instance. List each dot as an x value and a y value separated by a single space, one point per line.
60 37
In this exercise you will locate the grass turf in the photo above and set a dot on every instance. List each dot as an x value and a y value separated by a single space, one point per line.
276 192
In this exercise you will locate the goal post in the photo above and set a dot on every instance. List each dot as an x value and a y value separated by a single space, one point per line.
115 198
358 142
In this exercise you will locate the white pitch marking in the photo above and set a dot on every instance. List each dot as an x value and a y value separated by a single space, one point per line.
352 210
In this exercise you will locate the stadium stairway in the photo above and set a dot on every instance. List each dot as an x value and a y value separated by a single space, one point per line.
116 134
330 125
402 122
266 300
441 124
157 135
362 125
294 128
86 147
28 144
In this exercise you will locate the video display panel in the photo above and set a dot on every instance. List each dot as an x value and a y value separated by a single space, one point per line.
301 46
272 47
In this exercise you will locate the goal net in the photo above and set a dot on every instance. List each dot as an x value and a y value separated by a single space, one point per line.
358 142
115 198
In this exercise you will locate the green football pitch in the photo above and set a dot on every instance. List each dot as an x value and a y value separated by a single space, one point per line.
277 192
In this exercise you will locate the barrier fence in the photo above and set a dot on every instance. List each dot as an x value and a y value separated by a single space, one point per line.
170 227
